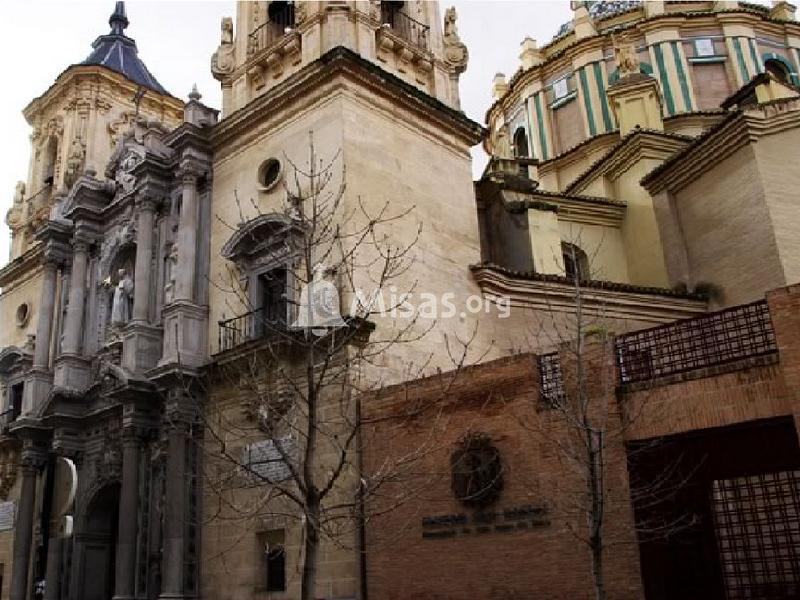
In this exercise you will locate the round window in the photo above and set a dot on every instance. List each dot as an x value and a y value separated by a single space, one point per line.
23 313
269 173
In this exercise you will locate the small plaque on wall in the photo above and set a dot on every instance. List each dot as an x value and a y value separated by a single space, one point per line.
7 511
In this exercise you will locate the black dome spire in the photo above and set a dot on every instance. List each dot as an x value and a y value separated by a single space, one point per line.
118 52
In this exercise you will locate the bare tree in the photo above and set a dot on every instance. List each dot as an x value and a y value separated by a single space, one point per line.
304 366
588 435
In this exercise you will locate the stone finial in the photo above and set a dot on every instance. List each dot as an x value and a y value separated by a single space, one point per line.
653 8
118 19
783 11
499 86
582 20
194 94
530 56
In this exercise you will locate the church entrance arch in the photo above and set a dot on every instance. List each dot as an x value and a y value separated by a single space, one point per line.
99 541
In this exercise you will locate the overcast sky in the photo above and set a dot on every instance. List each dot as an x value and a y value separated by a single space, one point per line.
176 40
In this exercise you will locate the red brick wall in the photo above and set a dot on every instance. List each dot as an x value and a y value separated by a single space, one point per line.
543 561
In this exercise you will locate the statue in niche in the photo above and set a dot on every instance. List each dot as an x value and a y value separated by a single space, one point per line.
170 267
625 55
75 158
123 299
223 61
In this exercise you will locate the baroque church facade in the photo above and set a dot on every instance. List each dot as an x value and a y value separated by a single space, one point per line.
140 207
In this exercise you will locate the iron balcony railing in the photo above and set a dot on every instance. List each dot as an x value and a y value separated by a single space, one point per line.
551 384
714 339
272 30
405 27
250 326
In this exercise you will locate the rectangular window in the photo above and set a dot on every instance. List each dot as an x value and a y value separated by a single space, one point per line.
704 47
562 91
560 88
273 559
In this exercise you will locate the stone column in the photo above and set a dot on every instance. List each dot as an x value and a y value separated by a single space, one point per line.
144 259
128 516
172 581
41 354
73 325
23 533
187 237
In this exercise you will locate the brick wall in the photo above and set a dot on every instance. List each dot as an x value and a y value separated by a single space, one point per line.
501 558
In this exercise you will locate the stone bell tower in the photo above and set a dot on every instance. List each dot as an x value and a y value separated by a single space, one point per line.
377 84
76 124
272 40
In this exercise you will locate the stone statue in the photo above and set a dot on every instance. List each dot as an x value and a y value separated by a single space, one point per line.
19 194
223 60
319 304
77 153
455 51
123 298
14 214
170 268
626 57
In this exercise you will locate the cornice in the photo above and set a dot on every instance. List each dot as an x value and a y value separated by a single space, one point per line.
738 130
22 266
637 145
554 293
335 64
64 80
579 151
523 77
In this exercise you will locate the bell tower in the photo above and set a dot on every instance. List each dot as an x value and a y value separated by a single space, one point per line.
76 124
77 121
271 40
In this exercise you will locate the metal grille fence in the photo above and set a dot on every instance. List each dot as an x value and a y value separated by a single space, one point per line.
551 384
757 527
713 339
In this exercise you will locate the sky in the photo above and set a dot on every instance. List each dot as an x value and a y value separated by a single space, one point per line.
176 40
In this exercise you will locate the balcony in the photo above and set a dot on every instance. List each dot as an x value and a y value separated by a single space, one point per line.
718 338
404 27
251 326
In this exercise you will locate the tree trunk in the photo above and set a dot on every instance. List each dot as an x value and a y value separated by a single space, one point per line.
596 544
311 553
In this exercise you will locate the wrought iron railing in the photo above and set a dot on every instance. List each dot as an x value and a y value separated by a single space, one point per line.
717 338
551 383
403 26
245 328
272 30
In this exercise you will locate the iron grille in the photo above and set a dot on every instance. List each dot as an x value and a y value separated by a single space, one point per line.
757 527
551 384
717 338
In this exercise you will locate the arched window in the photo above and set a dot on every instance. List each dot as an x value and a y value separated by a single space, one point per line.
49 164
521 143
777 69
576 263
281 13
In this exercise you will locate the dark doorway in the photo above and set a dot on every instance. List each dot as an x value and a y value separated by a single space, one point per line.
717 511
100 545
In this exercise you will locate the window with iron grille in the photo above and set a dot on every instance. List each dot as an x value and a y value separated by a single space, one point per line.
757 528
551 385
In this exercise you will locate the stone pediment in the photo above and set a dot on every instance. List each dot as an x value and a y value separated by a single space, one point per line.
13 359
